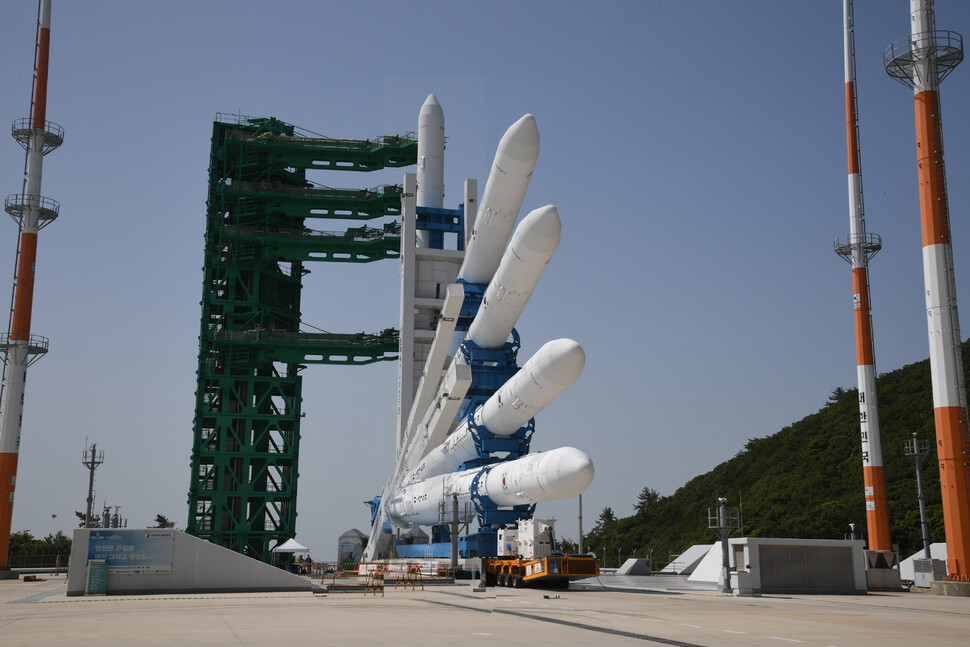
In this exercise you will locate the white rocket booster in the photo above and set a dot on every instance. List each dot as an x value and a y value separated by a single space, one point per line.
532 246
548 476
515 160
552 370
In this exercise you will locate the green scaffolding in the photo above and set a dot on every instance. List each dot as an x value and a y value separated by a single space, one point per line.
245 450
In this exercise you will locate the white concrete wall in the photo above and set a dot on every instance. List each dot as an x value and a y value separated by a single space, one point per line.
198 566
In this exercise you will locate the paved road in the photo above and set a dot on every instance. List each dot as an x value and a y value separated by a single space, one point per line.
41 614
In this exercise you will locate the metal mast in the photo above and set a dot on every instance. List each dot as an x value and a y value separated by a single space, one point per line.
857 250
32 212
921 62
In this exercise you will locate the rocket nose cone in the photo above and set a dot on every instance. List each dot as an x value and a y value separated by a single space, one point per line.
521 141
431 106
571 471
544 221
565 360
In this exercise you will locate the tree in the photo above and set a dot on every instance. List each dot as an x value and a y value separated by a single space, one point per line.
836 395
606 519
161 521
95 519
55 544
22 543
647 497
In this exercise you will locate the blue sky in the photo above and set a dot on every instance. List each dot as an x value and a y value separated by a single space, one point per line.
695 151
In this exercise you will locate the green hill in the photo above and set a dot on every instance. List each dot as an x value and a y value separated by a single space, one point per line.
803 481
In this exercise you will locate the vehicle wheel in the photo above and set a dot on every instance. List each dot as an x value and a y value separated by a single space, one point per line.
517 581
502 580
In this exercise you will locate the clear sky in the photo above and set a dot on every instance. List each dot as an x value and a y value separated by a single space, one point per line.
695 150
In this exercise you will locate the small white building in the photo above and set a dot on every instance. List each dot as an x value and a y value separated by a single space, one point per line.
767 565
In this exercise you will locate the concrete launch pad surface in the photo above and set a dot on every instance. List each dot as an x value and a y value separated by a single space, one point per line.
40 613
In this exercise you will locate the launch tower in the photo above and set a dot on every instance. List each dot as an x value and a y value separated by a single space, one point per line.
243 486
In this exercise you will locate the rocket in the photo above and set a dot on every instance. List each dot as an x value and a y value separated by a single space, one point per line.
431 160
515 160
547 374
546 476
532 246
509 266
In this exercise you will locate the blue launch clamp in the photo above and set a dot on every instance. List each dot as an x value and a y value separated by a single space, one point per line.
488 444
489 514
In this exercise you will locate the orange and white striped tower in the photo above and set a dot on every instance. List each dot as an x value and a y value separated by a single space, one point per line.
921 62
860 247
32 211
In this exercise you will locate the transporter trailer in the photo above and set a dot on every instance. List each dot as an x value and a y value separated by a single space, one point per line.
554 571
526 558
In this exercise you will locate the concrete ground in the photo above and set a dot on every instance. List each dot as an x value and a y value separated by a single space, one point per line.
39 613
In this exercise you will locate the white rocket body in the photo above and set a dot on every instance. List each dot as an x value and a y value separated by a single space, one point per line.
431 160
515 160
552 370
548 476
532 246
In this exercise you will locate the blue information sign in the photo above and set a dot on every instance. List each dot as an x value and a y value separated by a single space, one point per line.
133 551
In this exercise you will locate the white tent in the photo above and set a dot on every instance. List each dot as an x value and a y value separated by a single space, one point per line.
290 546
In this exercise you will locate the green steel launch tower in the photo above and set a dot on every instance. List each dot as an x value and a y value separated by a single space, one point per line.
246 432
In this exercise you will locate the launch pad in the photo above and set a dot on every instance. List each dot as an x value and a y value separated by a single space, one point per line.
454 615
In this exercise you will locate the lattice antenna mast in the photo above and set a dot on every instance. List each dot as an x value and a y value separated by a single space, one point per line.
91 459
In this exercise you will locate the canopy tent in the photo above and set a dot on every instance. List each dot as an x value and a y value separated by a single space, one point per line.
290 546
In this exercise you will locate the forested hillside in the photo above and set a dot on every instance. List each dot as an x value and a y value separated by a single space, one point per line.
803 481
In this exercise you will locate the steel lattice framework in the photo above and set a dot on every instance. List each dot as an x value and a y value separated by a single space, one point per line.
245 452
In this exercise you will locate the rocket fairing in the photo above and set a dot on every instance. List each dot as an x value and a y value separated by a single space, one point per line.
547 476
532 246
431 160
552 370
515 160
431 154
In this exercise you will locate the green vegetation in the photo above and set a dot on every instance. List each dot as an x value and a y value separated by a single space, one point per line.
23 543
803 481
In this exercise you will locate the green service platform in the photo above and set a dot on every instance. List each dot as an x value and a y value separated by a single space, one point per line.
243 487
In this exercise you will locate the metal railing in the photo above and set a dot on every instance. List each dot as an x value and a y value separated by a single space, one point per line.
52 562
944 46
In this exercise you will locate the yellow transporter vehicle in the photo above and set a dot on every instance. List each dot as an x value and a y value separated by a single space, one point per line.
525 557
553 571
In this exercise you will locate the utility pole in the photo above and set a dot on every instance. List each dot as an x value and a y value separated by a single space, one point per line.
580 524
454 534
725 523
920 450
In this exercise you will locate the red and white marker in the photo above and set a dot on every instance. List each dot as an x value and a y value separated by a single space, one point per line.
921 62
860 248
38 137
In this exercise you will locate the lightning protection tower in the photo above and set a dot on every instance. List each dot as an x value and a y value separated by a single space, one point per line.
32 212
921 62
857 250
